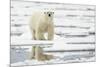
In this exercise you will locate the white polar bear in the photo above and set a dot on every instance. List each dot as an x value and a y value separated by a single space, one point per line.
41 23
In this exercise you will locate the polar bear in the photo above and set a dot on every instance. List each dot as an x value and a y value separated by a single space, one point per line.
41 23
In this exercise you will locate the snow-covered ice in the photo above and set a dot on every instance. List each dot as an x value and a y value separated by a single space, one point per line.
74 31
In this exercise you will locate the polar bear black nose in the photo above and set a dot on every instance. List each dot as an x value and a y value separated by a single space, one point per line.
49 15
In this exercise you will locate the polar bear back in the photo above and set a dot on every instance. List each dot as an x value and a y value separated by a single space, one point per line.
37 19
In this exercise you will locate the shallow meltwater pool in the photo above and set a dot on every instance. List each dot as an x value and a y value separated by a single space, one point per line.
59 57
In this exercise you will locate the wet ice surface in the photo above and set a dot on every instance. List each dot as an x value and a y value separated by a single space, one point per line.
20 57
74 31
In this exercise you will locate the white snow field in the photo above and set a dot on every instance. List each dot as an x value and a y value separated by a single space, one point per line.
74 38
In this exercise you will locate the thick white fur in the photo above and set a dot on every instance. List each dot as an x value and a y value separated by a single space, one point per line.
40 24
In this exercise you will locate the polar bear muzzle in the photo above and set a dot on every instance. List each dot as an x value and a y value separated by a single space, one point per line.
49 14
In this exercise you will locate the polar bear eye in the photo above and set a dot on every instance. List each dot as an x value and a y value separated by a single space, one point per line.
44 12
52 12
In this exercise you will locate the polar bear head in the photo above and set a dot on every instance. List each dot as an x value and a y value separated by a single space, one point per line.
49 15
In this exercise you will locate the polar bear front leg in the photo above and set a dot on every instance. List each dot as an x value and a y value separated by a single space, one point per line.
39 35
50 32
